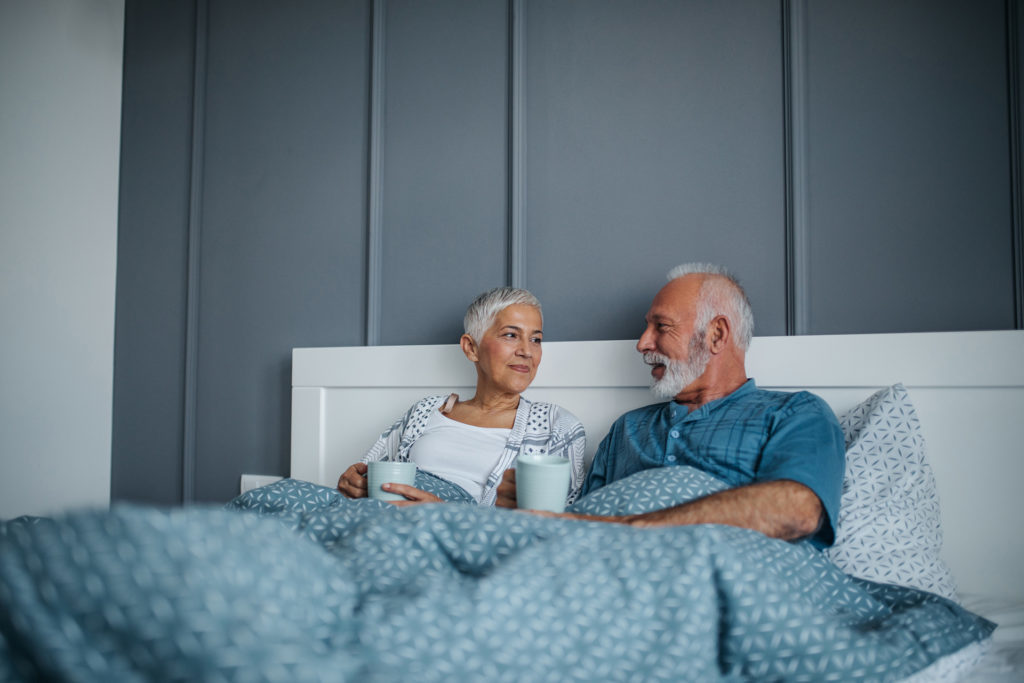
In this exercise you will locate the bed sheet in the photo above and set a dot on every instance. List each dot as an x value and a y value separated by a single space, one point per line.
1004 661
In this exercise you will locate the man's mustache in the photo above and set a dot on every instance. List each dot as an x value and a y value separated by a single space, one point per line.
654 358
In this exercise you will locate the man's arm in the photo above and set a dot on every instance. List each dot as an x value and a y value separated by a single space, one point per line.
780 509
601 465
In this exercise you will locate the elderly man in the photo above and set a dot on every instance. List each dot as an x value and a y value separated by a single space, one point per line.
782 453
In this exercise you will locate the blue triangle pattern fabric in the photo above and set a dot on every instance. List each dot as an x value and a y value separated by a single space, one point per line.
648 490
298 583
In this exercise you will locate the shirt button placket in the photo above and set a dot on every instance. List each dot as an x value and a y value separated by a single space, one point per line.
675 435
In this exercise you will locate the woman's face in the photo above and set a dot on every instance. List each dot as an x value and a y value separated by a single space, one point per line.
509 353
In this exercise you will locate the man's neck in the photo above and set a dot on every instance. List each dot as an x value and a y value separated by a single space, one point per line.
711 386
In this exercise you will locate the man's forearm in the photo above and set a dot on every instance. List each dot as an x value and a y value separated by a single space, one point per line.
781 509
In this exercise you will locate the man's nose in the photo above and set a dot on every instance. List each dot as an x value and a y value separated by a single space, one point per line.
645 343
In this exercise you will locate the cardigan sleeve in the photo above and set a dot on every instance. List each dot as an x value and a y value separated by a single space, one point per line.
568 440
386 446
395 441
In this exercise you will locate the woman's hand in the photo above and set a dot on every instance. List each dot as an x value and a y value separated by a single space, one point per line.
507 490
352 481
414 495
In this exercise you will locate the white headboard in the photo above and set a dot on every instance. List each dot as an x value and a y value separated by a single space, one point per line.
968 388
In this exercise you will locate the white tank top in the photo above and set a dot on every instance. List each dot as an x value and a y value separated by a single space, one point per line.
461 453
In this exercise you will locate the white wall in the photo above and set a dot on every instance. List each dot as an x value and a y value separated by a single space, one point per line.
60 117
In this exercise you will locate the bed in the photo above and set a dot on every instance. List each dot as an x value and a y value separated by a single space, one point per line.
967 389
293 582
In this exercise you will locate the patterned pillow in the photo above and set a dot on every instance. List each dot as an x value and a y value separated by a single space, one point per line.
889 528
652 489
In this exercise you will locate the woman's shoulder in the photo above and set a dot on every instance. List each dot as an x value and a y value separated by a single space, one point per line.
429 402
556 416
421 409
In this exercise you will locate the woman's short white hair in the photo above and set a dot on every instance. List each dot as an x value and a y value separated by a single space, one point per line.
485 308
720 294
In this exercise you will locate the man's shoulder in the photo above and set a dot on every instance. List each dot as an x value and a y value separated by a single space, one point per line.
642 413
789 399
790 403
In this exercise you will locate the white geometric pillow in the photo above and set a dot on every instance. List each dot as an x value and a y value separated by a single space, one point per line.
889 527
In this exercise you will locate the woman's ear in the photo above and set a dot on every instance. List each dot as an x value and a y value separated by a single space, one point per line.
469 348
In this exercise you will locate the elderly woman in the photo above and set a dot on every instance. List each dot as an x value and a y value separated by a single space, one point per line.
471 443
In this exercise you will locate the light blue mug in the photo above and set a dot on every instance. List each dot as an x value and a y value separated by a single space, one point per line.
542 482
384 472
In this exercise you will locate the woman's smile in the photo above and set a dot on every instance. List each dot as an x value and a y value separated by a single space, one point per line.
510 350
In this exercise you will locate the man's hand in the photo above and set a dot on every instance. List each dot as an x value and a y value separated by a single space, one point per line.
413 495
780 509
581 517
352 481
507 490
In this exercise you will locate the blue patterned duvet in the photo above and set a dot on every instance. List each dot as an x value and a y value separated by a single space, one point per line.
297 583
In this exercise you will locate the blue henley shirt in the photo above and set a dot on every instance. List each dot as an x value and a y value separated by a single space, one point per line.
751 435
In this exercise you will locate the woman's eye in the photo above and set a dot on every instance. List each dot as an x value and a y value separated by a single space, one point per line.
536 340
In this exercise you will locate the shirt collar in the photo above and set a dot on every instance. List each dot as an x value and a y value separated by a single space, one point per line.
678 412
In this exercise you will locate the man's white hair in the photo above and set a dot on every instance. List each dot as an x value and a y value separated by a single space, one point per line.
485 308
720 294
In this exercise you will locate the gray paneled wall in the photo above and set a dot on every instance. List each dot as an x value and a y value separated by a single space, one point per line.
152 253
909 176
653 136
444 164
356 171
282 223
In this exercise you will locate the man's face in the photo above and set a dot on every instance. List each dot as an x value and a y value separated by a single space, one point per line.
677 353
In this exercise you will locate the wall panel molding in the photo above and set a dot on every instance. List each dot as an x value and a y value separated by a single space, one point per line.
195 221
1013 70
794 76
375 210
517 144
542 145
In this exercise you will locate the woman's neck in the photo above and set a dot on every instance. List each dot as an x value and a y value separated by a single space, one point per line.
487 410
494 402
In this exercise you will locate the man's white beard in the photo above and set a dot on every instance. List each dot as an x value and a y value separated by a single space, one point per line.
679 374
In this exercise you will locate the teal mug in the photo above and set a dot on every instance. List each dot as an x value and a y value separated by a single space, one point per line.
542 482
384 472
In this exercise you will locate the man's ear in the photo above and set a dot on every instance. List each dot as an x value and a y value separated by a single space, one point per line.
469 348
719 333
